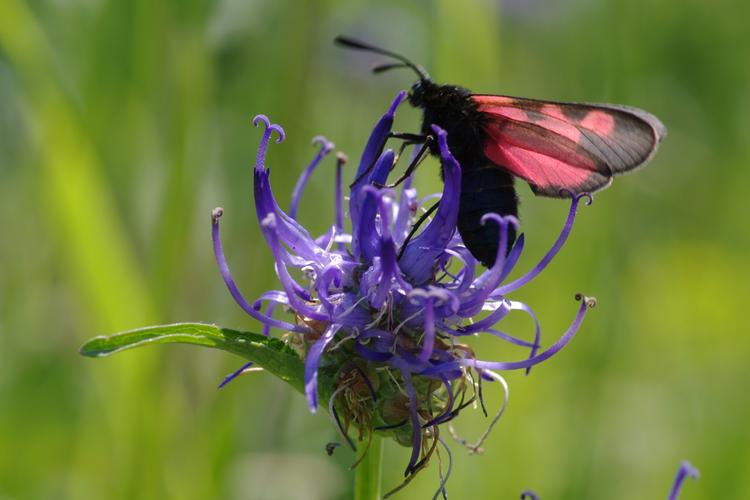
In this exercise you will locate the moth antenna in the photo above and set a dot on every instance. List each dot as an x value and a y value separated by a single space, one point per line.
352 43
381 68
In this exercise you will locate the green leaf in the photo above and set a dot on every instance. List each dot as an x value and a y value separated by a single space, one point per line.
269 353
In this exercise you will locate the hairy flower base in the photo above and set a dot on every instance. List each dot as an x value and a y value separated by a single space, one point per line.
385 315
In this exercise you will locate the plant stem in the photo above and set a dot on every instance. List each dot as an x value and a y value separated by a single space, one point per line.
368 472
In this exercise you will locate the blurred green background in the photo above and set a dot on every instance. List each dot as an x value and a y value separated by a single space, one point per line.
122 124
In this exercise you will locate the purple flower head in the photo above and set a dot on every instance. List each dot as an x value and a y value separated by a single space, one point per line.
382 315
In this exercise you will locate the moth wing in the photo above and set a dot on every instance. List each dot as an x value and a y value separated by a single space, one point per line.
558 147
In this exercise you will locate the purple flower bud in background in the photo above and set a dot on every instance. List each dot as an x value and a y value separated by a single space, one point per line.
685 470
385 316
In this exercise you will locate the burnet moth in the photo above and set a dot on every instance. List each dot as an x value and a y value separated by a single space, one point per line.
561 149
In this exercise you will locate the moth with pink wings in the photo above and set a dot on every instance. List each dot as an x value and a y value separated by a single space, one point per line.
560 149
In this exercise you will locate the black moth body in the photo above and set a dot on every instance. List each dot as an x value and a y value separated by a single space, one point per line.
484 187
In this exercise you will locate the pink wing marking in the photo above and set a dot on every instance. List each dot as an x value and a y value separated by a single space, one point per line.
599 122
548 165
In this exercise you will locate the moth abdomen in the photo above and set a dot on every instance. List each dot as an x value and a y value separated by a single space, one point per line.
485 189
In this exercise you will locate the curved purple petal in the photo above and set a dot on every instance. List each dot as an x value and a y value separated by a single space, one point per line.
330 276
311 366
325 147
271 296
388 262
226 275
586 303
270 308
520 306
489 321
269 229
466 277
429 330
294 236
518 283
267 131
510 338
422 251
365 237
371 354
513 256
372 151
324 240
379 136
485 284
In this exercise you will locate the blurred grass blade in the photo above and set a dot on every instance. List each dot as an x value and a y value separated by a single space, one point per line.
270 353
467 42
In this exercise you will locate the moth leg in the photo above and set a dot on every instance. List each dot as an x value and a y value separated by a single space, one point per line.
421 154
401 149
414 228
410 138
